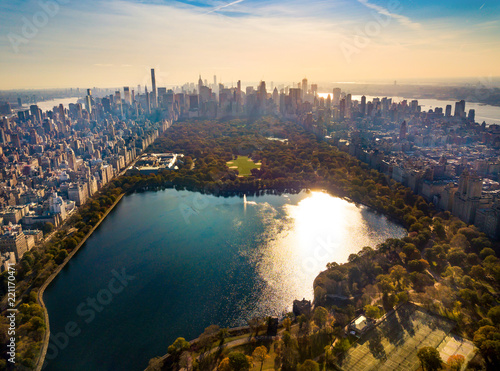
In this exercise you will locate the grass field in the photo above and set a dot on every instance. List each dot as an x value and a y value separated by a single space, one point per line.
394 343
244 165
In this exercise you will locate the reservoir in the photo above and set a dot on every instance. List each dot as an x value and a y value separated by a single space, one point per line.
168 264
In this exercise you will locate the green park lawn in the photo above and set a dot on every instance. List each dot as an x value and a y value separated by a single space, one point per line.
244 165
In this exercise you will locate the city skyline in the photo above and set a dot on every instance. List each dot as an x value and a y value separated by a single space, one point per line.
61 43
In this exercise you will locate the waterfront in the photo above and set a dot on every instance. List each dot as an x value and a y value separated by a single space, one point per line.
484 112
197 260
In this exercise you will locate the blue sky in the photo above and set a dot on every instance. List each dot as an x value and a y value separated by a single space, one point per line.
68 43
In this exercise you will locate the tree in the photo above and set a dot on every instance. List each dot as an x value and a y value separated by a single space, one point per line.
289 354
320 316
400 277
341 346
487 339
178 346
455 362
486 252
372 311
419 265
155 364
255 325
287 323
494 314
70 243
239 362
308 365
48 228
209 336
61 256
225 365
430 358
221 335
260 355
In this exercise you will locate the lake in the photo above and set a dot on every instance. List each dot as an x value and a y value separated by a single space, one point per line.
170 263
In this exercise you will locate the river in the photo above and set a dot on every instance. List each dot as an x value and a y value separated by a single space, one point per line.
170 263
48 105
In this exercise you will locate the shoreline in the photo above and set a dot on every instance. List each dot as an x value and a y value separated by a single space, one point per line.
48 281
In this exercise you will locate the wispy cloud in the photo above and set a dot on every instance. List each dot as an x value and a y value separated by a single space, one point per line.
405 21
216 9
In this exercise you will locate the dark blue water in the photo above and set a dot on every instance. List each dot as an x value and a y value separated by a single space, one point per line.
195 260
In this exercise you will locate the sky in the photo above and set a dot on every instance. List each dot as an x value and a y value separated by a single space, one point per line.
111 43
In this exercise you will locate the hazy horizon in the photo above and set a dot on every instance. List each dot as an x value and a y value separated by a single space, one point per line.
66 43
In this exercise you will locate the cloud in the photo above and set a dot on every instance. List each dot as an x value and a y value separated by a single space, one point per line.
405 21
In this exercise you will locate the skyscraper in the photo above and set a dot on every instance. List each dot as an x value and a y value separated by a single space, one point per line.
336 96
472 115
153 92
460 109
126 95
304 88
200 84
363 105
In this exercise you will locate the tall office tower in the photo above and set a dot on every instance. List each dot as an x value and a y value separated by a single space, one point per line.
118 97
153 81
133 96
106 104
363 105
460 109
448 110
62 116
262 94
148 100
200 84
472 115
215 82
336 96
304 88
314 89
37 112
238 92
342 108
276 97
403 130
89 92
88 104
348 106
126 95
14 138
